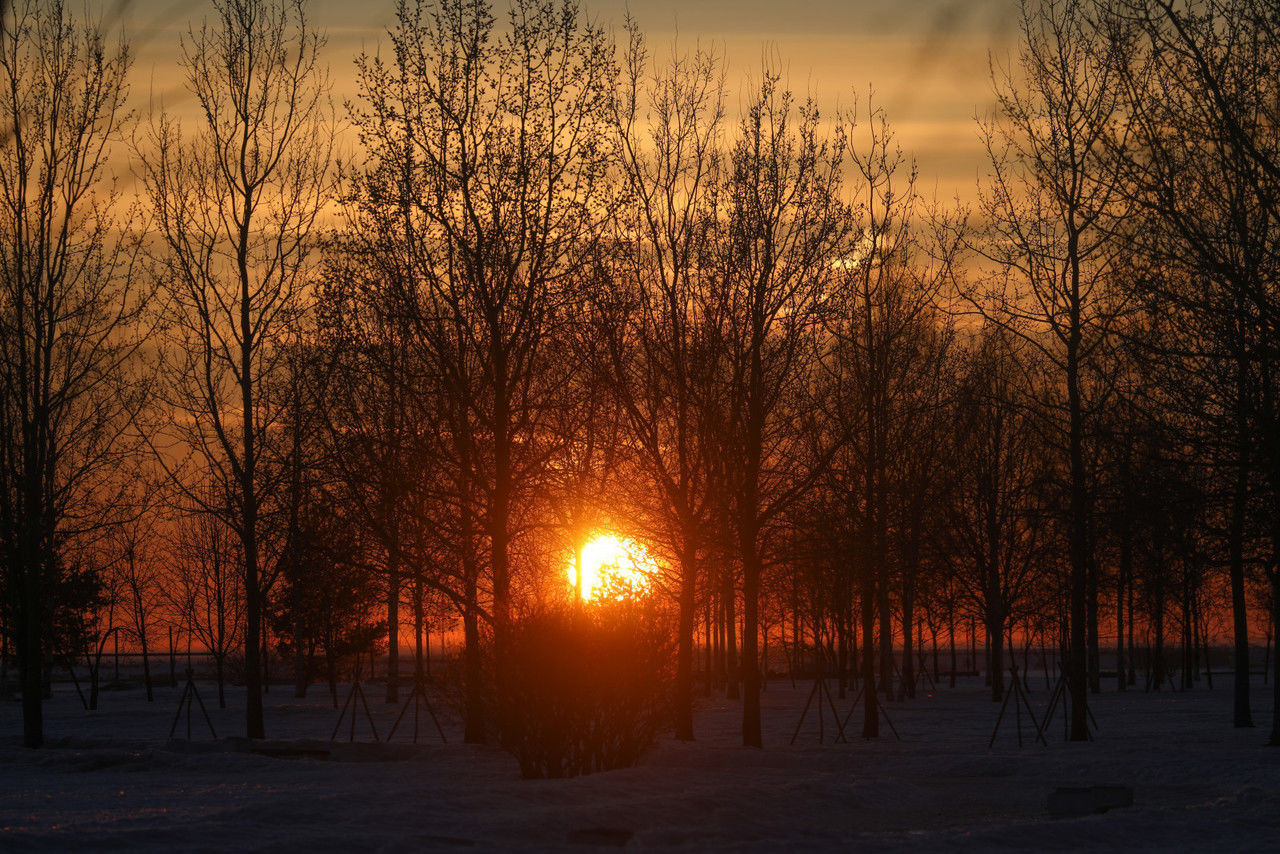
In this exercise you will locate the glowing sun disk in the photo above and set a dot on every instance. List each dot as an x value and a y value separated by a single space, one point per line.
613 564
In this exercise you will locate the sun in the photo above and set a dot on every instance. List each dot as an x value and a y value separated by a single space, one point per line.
613 567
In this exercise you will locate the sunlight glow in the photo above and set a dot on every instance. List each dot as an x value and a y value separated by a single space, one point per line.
613 567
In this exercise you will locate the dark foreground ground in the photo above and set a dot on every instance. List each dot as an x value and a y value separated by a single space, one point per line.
110 781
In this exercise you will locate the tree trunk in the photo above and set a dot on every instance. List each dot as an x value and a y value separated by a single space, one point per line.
1242 715
954 662
1157 652
853 643
708 654
870 708
1188 638
908 648
995 637
684 654
1133 656
933 639
331 672
886 628
797 633
419 627
473 728
500 498
146 663
1274 741
248 490
31 660
1077 664
1091 608
1122 582
751 571
1026 657
730 639
94 673
393 630
253 632
301 674
30 640
1204 648
763 666
986 653
842 655
266 660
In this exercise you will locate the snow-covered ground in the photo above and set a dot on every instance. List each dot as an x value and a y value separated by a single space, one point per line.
110 780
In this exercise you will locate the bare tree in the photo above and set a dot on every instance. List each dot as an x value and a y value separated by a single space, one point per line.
924 478
85 619
207 591
887 352
664 343
999 526
783 227
374 402
68 306
1050 207
488 149
511 134
138 570
1202 81
236 203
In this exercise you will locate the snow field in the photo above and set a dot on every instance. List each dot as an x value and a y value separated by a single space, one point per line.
110 781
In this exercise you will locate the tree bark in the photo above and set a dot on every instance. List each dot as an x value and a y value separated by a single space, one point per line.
1242 715
908 647
684 653
1274 740
995 635
146 664
1077 676
31 660
751 571
730 623
870 708
1122 582
301 676
393 629
1091 605
474 725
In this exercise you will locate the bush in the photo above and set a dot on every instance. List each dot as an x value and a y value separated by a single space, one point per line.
583 689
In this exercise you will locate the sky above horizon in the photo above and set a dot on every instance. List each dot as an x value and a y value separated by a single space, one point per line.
925 61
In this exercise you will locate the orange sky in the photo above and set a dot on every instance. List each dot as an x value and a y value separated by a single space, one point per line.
926 60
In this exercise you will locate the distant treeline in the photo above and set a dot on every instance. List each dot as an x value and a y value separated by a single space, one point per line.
283 402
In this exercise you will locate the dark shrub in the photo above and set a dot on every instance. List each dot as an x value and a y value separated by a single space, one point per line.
582 689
